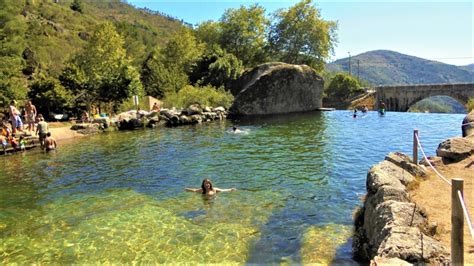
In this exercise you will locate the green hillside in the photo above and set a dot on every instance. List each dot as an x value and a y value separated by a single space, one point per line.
382 67
39 36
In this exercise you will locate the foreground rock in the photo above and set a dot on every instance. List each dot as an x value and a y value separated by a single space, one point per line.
390 226
277 88
455 149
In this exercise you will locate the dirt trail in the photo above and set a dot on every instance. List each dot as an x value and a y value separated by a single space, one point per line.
434 195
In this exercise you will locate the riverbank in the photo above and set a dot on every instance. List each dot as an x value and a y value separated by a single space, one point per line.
62 131
435 196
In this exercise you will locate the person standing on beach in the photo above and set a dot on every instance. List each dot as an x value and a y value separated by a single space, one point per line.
30 112
15 118
41 130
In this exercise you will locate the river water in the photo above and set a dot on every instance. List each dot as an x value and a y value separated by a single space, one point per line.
119 197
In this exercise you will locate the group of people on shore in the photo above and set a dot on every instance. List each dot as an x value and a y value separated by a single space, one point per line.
14 133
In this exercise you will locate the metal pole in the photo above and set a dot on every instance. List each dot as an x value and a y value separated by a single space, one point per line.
350 72
457 223
415 146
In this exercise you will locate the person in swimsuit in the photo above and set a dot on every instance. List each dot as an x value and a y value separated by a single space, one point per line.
30 113
208 190
15 118
49 142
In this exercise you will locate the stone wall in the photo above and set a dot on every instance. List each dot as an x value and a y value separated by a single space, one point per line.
390 225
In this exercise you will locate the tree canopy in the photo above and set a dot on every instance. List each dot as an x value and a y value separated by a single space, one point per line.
299 35
243 33
102 72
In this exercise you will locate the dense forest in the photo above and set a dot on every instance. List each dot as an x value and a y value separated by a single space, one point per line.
67 56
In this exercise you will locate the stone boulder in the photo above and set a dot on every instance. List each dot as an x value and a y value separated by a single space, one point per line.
405 162
391 226
468 125
455 149
277 88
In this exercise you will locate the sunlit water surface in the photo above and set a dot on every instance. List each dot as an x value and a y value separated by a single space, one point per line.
119 197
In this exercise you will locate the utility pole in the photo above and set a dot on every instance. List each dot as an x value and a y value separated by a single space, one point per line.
350 72
358 70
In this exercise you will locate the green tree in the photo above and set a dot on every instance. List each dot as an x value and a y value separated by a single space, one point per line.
243 34
343 86
76 5
102 72
470 105
166 70
300 35
204 96
13 26
209 32
216 68
49 96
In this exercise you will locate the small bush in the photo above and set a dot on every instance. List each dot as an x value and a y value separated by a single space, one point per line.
76 6
470 105
204 96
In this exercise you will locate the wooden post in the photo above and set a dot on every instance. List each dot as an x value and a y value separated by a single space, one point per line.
457 223
415 146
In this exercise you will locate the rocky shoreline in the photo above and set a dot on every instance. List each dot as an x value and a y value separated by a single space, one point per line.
391 228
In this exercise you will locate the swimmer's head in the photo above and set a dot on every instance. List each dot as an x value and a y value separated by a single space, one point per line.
206 185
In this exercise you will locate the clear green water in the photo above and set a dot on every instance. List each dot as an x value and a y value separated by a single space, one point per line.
119 197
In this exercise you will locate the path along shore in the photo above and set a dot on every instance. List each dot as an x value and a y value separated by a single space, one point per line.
435 196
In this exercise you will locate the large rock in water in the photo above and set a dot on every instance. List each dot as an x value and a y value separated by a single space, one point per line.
277 88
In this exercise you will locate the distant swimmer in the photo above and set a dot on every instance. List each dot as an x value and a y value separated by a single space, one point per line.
382 108
355 113
207 188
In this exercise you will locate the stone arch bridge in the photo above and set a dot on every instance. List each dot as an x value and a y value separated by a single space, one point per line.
401 98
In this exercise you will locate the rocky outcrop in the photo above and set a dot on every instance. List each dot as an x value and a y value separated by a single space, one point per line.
468 125
390 227
277 88
194 114
455 149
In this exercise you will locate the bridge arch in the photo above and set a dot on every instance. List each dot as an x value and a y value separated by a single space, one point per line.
401 98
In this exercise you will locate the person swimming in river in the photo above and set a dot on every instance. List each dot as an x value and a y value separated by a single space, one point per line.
355 113
382 108
236 130
209 190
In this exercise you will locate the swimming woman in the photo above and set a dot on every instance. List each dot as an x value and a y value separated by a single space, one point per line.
208 190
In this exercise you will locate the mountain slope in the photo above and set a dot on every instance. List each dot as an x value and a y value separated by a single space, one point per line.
47 33
468 67
383 67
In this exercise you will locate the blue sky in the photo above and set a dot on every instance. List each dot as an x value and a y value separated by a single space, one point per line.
435 30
